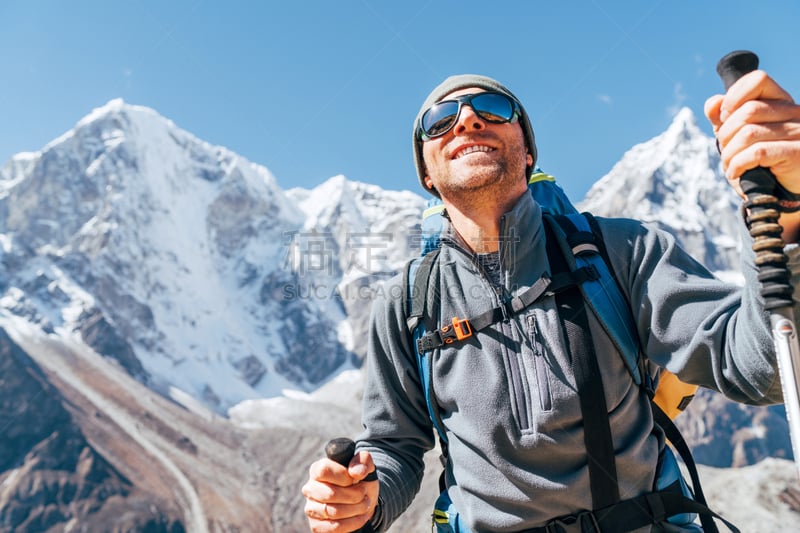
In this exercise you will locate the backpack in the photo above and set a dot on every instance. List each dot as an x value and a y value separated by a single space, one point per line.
580 271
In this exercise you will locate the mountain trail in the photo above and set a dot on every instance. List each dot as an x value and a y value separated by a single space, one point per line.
53 361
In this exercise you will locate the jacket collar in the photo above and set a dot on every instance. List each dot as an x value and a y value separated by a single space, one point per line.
522 241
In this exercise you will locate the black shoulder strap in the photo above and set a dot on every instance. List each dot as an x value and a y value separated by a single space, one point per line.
673 434
596 427
671 431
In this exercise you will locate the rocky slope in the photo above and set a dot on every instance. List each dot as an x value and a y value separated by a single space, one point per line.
188 263
112 455
153 285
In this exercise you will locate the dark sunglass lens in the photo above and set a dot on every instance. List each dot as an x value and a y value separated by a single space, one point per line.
493 107
439 118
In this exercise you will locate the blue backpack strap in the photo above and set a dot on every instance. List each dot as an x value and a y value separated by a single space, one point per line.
582 248
580 240
416 279
431 226
548 194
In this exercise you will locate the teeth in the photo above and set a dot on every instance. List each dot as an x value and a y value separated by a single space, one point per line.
471 149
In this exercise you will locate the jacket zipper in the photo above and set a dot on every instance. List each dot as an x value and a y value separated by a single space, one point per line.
540 366
518 387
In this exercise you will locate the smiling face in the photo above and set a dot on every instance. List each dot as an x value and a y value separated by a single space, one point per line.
476 156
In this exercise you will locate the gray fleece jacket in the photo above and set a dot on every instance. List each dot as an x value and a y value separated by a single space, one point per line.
511 411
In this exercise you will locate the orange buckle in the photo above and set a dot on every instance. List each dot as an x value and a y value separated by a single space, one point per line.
461 328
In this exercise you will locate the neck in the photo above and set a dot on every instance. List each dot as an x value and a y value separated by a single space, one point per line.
478 222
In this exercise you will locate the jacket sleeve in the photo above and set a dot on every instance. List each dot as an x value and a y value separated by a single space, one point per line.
397 428
710 333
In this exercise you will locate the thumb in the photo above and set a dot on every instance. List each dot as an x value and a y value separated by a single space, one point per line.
362 466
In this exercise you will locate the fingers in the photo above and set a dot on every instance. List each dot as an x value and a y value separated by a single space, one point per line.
337 498
341 526
712 110
333 495
755 85
758 116
781 158
748 90
328 471
325 470
756 124
763 134
338 517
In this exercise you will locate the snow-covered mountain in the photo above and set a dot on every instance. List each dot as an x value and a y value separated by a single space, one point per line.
187 262
138 262
675 181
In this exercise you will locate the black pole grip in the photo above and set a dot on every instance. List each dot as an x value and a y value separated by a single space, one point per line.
730 68
759 185
340 450
735 65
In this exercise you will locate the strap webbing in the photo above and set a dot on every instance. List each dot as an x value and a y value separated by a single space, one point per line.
673 434
545 285
419 317
596 426
419 289
580 243
635 513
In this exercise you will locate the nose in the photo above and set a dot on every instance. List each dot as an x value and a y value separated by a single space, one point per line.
468 120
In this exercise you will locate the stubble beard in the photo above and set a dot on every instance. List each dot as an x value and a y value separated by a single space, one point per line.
490 183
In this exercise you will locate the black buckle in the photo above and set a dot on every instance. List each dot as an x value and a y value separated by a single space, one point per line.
592 274
583 522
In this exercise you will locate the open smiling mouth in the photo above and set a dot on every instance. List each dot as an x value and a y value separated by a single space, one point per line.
472 149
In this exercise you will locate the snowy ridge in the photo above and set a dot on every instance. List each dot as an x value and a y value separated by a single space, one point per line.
374 227
286 410
184 249
675 181
212 282
128 247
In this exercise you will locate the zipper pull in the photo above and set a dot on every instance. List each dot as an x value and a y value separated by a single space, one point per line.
504 309
534 334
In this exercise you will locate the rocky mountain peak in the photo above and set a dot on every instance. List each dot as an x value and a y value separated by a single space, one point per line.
169 254
684 121
675 180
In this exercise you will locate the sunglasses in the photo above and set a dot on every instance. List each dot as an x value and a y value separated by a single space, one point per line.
489 106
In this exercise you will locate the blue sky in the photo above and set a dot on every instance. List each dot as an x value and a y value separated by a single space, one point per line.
318 88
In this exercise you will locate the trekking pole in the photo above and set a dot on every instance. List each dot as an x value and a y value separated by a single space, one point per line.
764 210
342 450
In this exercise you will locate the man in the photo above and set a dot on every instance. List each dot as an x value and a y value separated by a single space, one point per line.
517 459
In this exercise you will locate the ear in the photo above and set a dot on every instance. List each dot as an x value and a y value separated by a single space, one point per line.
529 159
428 182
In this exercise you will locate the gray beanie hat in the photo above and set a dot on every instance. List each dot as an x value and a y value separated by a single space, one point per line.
464 81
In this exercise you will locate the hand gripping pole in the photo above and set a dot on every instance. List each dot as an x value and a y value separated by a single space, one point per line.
764 209
342 450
